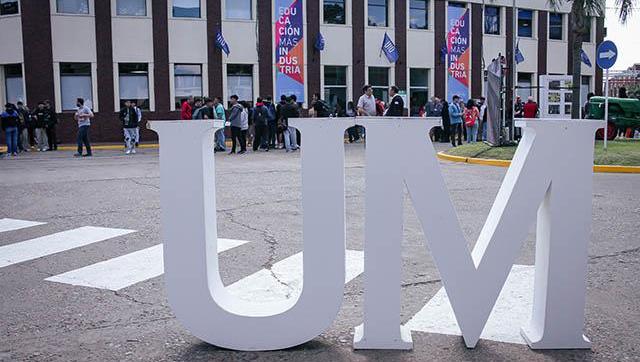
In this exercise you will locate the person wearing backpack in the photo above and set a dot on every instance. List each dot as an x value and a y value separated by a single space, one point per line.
471 116
237 124
129 120
261 122
320 108
272 122
9 121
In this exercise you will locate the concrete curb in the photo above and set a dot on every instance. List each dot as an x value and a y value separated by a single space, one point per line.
505 163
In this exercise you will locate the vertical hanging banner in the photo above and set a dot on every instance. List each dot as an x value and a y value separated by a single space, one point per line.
289 49
458 52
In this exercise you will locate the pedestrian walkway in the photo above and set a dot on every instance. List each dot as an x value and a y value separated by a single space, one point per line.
281 281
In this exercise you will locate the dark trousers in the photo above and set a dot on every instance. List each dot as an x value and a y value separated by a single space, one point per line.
83 138
51 135
238 136
456 128
273 133
262 137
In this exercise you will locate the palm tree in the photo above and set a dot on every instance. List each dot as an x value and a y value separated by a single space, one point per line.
581 13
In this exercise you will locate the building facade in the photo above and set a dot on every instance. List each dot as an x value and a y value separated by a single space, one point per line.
628 79
157 52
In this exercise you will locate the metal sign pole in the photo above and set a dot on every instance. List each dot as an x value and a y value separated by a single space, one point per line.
514 74
606 108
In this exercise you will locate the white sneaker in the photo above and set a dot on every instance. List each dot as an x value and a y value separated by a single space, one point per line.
133 151
127 152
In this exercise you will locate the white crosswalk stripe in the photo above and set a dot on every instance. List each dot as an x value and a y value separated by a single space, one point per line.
127 270
13 224
511 312
284 280
56 243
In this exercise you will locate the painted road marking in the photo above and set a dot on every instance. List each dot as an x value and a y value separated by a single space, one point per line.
511 312
13 224
284 280
124 271
56 243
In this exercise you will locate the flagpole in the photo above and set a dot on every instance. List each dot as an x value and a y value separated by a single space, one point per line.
514 73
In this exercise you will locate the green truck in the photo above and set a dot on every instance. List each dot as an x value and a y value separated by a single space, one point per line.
623 113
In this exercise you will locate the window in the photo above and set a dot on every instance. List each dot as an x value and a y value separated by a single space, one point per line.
419 14
377 10
525 23
492 20
555 26
335 86
379 81
131 7
239 9
187 81
8 7
525 89
586 37
457 5
13 83
334 12
418 89
75 82
72 6
240 81
186 8
134 83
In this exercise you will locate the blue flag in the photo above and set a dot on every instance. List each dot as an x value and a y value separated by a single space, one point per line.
519 55
585 58
319 42
389 49
222 44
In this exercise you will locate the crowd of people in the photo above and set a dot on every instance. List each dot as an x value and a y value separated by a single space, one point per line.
262 126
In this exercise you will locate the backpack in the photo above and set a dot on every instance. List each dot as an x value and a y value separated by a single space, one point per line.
260 116
470 118
379 108
271 112
322 109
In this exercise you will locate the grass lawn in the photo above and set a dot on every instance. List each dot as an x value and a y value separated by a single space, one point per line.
619 152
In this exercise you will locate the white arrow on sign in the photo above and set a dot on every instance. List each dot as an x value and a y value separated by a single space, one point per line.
608 54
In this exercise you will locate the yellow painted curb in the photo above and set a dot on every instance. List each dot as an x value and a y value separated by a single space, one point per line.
505 163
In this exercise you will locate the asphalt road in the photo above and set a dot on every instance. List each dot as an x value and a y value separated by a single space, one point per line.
259 200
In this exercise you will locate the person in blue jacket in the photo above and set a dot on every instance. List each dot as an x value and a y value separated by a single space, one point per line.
9 121
455 115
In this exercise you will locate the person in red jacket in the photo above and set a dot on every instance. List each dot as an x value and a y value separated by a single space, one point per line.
530 108
186 111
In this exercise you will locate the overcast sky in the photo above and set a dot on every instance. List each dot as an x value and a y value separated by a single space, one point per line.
626 37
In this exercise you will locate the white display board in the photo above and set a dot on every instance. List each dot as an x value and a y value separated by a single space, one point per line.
555 96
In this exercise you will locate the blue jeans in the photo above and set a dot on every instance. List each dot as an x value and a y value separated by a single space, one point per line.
12 140
220 140
472 133
83 139
290 139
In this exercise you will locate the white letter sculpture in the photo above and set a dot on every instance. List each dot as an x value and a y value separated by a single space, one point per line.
194 288
557 185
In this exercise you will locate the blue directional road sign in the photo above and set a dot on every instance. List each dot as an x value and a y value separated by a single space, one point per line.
607 54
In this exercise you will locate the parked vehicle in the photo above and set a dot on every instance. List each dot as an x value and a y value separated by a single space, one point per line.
623 113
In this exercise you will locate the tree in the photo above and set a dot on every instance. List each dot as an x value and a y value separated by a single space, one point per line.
581 13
